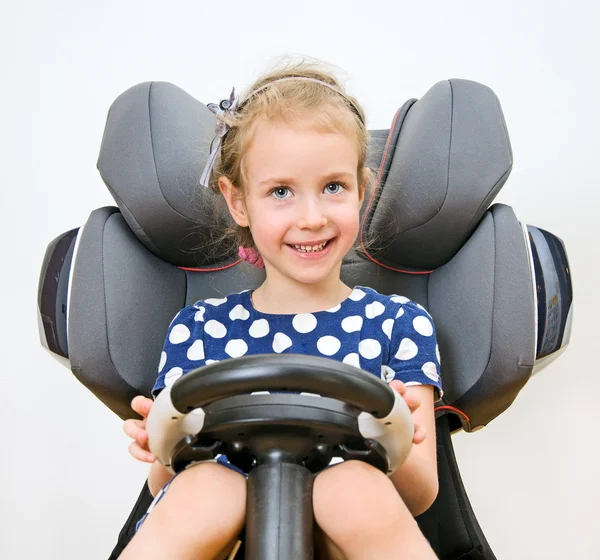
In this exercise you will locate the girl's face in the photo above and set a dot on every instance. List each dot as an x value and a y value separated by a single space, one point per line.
302 200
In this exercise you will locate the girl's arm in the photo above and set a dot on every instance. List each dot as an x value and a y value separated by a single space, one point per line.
416 479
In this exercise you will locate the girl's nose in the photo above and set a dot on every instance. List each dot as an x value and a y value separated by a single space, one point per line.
311 215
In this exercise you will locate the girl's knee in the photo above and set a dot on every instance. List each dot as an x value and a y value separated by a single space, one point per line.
203 509
355 495
211 483
352 481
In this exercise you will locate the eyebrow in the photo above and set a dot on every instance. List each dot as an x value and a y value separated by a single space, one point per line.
326 178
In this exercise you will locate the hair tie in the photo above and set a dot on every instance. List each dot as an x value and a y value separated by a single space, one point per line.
252 256
225 106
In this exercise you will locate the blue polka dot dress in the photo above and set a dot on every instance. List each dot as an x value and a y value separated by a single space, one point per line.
388 336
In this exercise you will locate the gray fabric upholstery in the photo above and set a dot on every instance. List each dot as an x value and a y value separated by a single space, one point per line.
483 305
453 156
118 317
153 150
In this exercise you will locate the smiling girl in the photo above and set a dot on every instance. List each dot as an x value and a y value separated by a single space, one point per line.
291 169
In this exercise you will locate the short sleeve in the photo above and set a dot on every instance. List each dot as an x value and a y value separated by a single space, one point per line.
414 354
183 350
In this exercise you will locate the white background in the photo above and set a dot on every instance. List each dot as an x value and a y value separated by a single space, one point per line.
67 482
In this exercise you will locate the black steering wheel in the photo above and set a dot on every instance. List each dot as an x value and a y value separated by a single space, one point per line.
340 411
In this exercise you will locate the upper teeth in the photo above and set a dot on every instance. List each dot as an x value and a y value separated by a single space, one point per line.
310 247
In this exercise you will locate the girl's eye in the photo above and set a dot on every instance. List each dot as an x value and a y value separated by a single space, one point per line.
281 192
334 188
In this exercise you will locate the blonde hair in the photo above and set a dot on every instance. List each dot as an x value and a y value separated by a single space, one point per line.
293 101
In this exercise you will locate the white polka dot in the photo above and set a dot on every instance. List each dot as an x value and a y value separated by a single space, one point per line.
199 316
239 312
173 375
387 374
215 329
196 351
400 299
387 327
311 395
352 359
407 350
412 383
260 393
179 333
236 348
352 324
328 345
374 309
357 295
259 328
430 370
369 348
334 309
400 312
423 325
281 342
437 353
163 361
208 362
215 301
304 322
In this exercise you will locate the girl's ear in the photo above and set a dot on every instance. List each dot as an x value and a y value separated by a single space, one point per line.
235 202
366 178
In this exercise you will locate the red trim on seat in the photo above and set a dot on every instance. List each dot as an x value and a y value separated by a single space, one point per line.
446 407
378 185
210 269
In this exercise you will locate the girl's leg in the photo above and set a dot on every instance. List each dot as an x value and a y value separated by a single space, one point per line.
361 515
199 518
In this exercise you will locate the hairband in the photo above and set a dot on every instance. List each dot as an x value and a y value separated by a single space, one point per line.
231 105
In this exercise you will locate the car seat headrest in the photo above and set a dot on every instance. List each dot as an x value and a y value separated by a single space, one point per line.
445 158
155 144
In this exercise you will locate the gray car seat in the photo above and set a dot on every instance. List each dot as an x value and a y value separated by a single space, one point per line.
498 290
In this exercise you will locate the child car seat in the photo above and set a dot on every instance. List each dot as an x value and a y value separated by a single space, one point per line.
499 290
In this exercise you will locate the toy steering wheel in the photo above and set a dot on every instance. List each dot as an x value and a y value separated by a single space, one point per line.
341 411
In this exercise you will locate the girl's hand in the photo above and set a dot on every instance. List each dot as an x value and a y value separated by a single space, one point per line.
136 429
413 403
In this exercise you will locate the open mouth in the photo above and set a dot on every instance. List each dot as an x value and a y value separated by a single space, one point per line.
315 248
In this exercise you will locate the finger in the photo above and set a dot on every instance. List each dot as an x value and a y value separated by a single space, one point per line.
398 386
141 454
142 405
419 435
134 430
413 402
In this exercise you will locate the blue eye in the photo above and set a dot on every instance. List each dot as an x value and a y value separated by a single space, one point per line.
280 192
334 188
